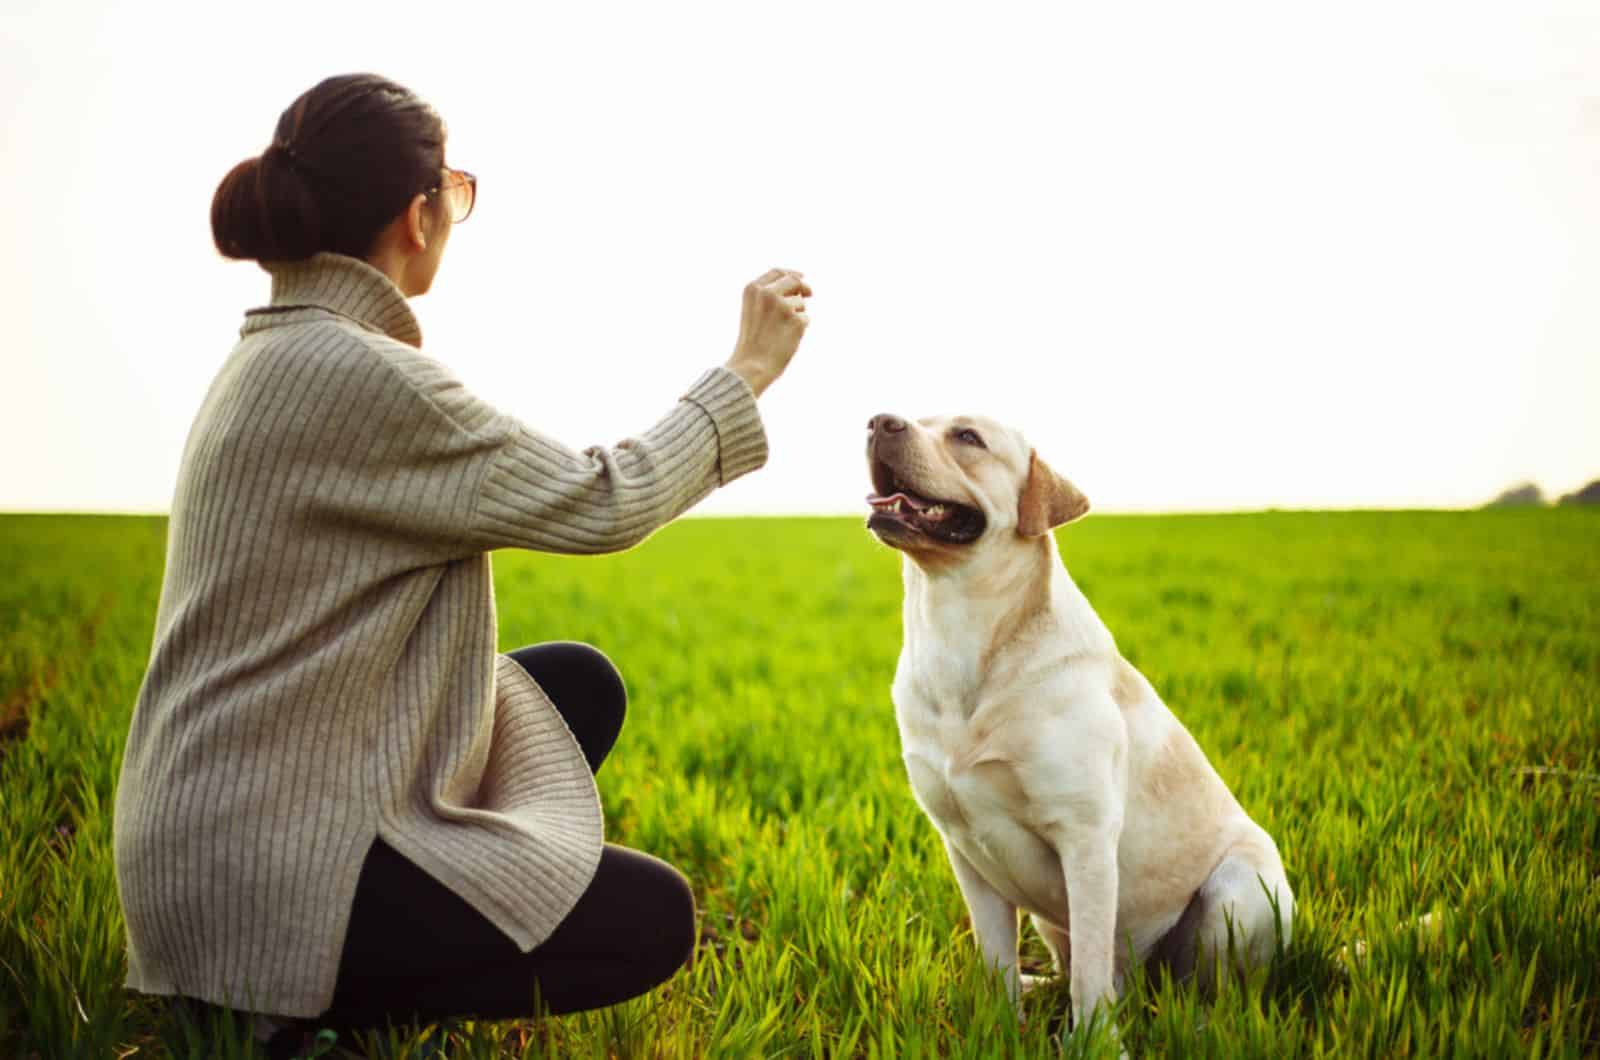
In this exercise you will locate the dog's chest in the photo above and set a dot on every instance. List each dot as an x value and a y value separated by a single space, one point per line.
978 804
934 696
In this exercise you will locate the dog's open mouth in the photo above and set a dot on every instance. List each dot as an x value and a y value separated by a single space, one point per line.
895 506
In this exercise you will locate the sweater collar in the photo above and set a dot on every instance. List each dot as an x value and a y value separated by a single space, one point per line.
343 285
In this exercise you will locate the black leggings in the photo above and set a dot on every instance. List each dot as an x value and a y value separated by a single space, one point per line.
415 952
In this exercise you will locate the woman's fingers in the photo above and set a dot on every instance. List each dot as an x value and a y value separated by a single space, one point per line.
792 283
785 286
781 278
784 282
797 306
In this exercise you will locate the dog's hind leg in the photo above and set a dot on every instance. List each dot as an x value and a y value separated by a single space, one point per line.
1178 950
1236 917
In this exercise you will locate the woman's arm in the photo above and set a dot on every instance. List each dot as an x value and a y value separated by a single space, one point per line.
419 458
538 494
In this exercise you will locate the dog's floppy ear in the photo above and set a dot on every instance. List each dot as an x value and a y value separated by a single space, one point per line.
1048 500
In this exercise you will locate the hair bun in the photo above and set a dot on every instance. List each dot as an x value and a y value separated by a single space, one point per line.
264 210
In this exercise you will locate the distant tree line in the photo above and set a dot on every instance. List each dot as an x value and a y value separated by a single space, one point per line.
1528 494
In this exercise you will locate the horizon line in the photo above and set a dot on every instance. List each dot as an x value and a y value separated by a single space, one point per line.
853 513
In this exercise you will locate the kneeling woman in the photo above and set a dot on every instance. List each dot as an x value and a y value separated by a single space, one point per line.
338 802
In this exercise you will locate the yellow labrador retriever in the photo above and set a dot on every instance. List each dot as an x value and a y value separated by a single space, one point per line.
1060 782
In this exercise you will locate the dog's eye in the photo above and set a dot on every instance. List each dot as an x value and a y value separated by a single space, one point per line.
970 437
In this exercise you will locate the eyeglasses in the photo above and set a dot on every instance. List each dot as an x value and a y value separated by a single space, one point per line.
461 193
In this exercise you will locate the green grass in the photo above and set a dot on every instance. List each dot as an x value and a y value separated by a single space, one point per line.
1374 686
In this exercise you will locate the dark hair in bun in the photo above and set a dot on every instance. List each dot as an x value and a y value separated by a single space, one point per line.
345 159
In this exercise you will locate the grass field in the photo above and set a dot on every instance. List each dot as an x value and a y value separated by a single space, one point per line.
1409 702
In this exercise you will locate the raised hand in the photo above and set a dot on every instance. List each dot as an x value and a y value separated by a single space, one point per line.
770 328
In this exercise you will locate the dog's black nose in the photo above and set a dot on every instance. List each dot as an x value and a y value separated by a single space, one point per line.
886 423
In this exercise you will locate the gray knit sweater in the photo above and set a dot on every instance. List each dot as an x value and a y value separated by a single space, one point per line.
324 668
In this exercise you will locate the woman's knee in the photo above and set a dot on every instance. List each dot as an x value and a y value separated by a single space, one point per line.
586 688
568 669
656 907
603 676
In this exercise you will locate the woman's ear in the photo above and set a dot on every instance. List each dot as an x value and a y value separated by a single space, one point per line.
416 223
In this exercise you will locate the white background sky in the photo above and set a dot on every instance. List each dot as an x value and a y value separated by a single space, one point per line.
1206 255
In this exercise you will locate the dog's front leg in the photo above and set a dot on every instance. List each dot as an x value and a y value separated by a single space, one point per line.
1089 863
994 921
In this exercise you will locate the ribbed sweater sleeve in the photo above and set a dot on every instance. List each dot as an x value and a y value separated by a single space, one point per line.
488 481
538 494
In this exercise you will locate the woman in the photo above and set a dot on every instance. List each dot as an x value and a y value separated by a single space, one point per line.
338 803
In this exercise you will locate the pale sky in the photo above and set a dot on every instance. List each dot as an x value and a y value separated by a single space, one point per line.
1206 256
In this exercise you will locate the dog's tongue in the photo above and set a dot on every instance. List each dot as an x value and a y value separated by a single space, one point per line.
910 498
